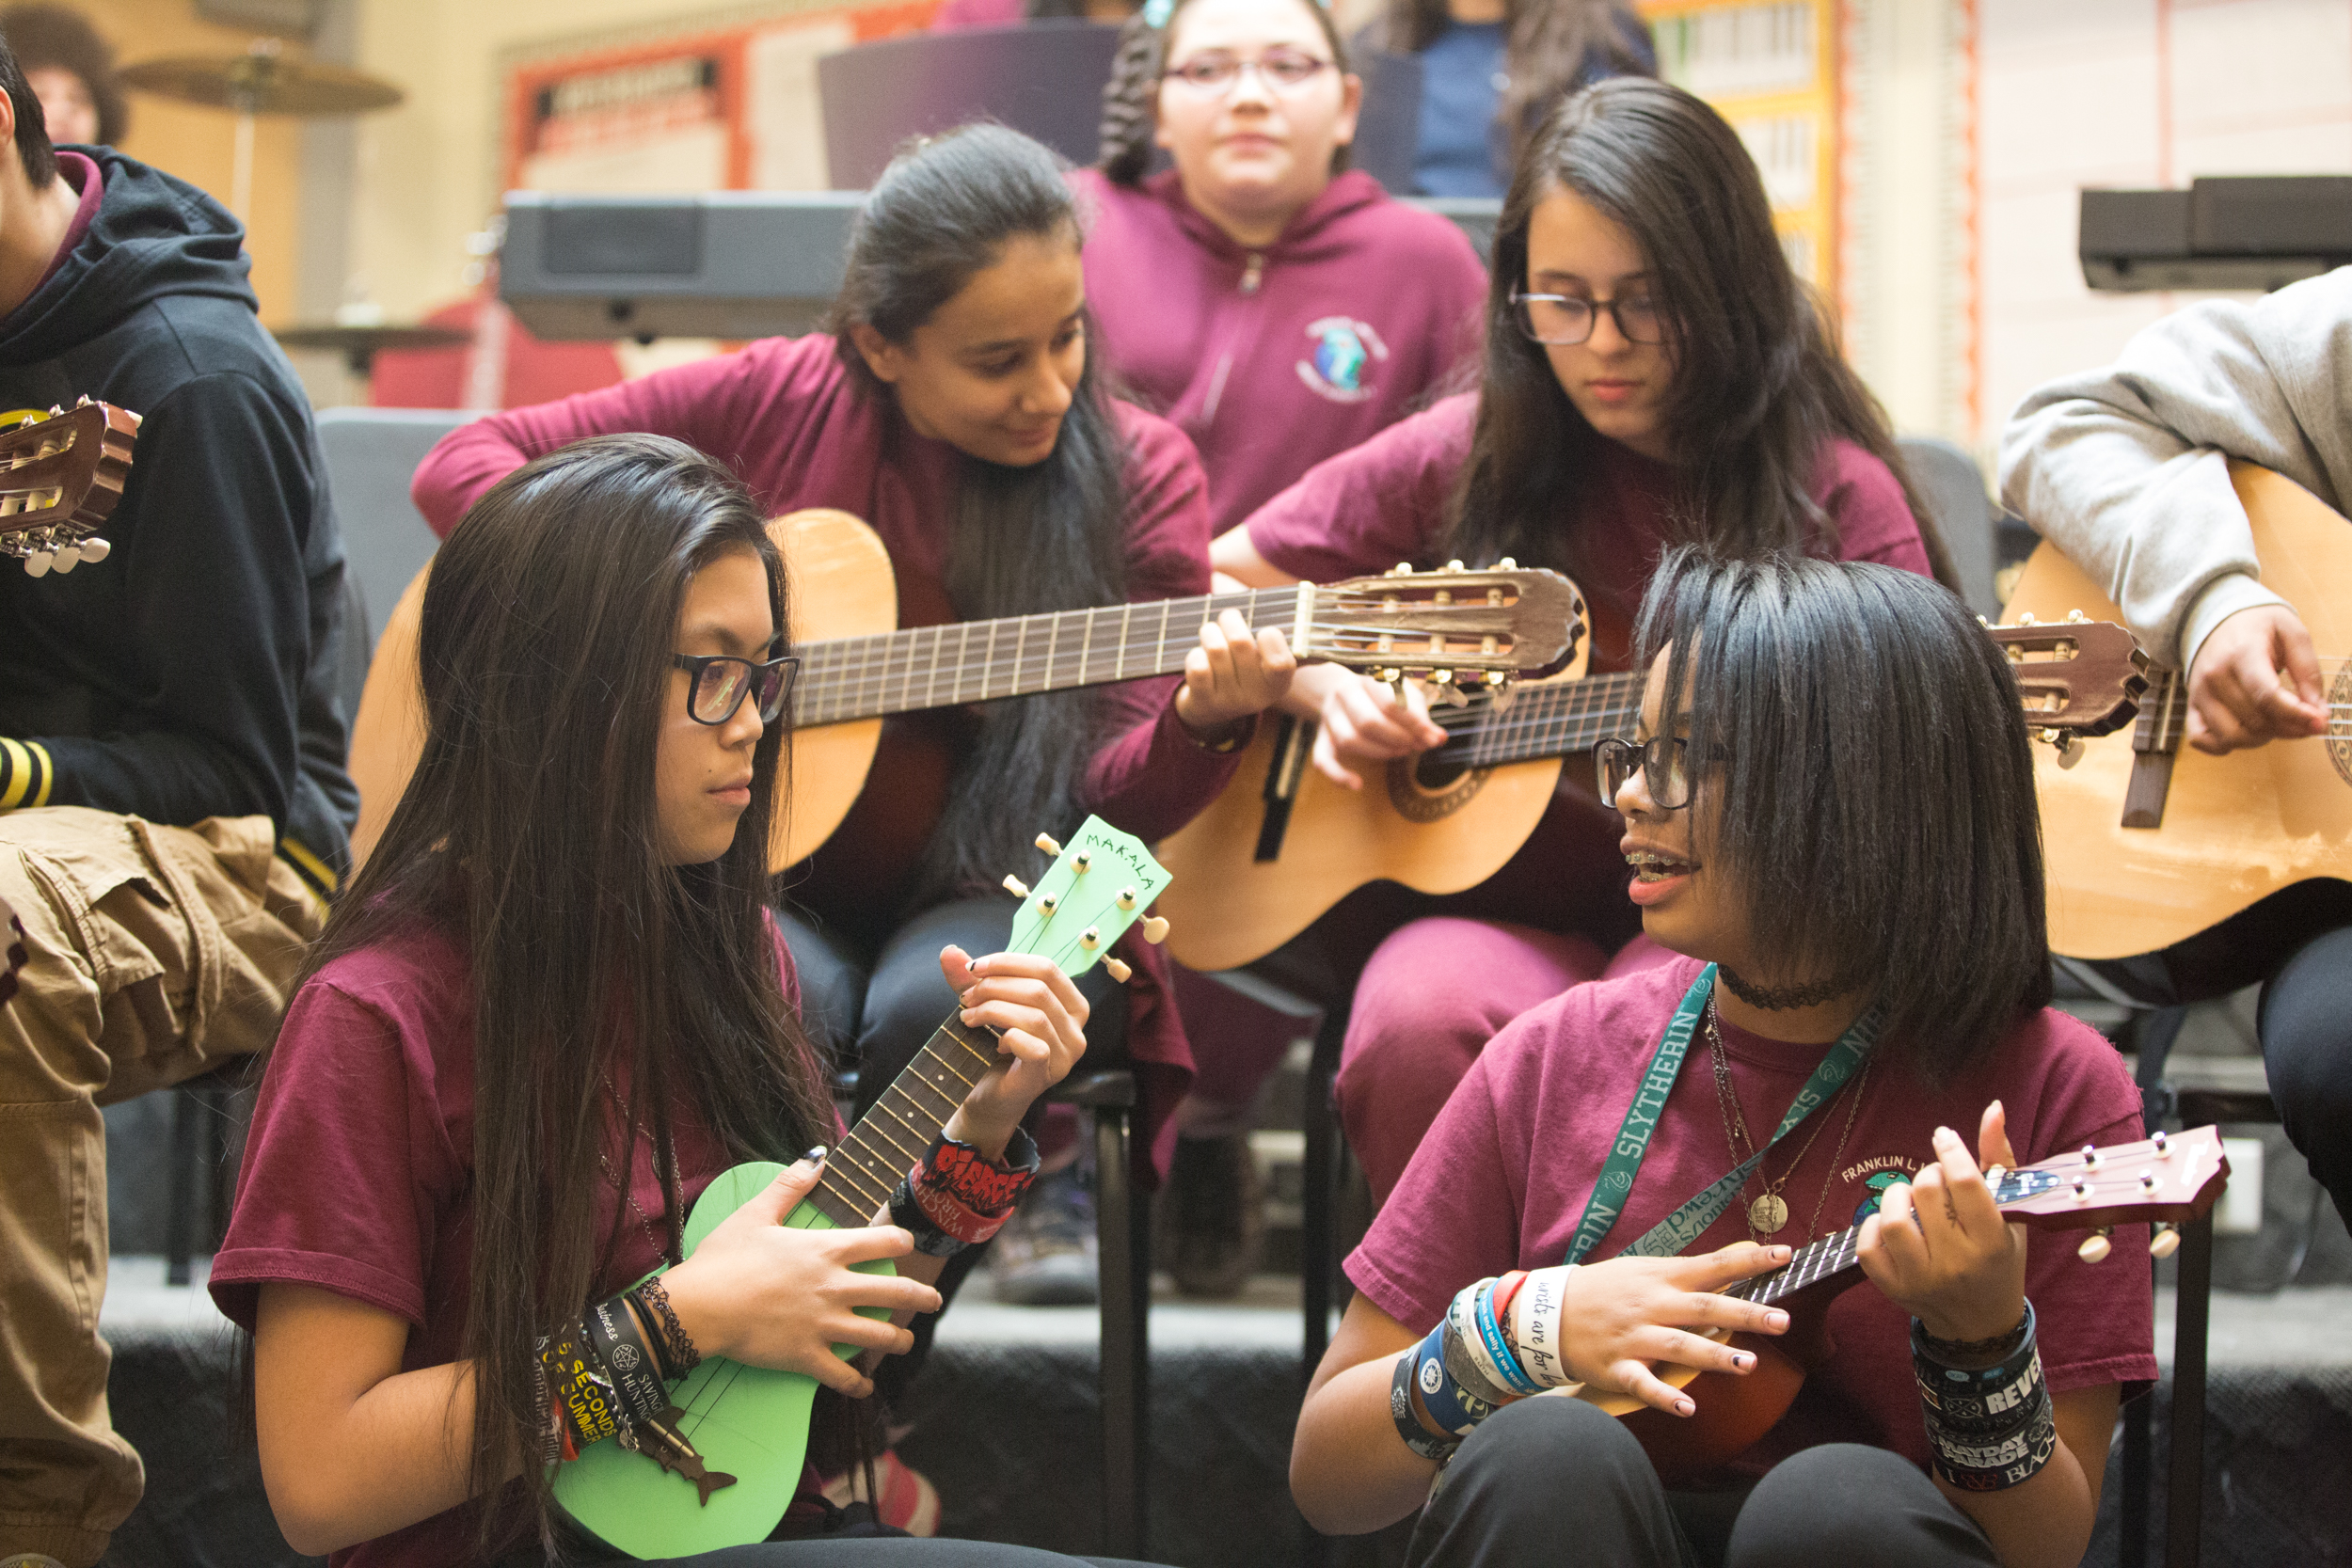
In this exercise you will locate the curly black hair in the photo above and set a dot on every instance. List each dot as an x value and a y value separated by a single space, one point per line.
51 37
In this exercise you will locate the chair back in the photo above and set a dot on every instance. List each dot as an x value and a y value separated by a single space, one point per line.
1952 487
371 454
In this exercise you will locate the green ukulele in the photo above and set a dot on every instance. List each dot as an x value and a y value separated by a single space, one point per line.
751 1423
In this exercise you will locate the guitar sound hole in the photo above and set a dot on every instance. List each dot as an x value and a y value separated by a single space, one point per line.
2339 723
1427 787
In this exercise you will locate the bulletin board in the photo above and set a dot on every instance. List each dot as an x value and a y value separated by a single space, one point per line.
1771 68
722 103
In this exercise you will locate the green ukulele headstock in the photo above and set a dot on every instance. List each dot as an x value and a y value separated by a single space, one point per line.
1100 883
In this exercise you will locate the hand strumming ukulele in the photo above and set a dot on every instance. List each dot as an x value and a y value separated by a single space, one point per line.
723 1467
1464 630
1283 844
2150 842
2160 1179
61 476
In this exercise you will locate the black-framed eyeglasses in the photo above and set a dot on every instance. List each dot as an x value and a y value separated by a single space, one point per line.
718 685
1664 762
1567 320
1280 69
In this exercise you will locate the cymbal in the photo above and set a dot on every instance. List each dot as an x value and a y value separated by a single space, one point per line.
262 83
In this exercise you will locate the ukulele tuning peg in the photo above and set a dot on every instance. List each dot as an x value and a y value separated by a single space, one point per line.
1016 886
2096 1247
1082 863
1119 971
1091 938
2165 1243
1047 904
1126 898
1048 843
1155 930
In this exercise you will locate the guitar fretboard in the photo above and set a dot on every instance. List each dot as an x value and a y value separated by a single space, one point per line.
893 1136
1540 721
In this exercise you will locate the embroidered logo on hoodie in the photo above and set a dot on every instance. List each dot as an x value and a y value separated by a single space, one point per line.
1345 350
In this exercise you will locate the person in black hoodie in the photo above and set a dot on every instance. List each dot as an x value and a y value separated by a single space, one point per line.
173 807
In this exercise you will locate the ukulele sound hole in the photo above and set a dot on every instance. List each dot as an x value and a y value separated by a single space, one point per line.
1424 789
2339 723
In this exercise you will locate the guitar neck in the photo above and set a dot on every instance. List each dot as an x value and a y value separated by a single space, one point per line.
896 1132
1017 655
1544 721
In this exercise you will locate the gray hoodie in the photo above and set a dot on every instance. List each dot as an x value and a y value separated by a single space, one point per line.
2125 469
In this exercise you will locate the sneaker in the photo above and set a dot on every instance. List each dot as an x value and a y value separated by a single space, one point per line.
1214 1216
1046 1254
909 1501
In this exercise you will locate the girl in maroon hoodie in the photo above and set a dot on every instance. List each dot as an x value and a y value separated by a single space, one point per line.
956 408
1654 376
1273 304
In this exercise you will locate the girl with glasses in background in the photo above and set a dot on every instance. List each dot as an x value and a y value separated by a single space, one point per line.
1655 374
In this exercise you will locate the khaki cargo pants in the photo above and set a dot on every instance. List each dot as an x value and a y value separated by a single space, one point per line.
153 953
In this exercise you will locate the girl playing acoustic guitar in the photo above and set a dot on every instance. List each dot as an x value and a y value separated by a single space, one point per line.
549 1011
1654 374
1829 798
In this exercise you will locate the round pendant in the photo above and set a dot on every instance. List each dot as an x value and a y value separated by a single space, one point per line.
1768 1213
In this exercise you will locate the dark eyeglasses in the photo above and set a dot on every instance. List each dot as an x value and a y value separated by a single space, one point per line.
1280 69
1566 320
1664 762
720 685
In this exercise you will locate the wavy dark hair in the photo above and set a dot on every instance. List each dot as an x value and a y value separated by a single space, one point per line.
1553 47
942 212
1877 778
1131 99
1759 386
52 37
527 831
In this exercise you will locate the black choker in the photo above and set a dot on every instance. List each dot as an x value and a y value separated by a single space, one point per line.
1784 998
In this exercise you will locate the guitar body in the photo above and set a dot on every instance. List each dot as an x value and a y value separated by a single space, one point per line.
1440 835
2235 829
747 1422
842 585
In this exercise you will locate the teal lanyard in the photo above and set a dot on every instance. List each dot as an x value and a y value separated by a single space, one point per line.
1678 1229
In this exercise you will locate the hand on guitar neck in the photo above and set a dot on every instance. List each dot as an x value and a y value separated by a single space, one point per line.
1361 720
1231 675
2254 680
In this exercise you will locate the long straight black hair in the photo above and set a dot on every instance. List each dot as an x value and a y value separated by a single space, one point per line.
1759 387
1049 536
1877 808
529 833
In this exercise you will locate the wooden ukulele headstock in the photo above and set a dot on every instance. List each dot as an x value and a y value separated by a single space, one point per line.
2164 1179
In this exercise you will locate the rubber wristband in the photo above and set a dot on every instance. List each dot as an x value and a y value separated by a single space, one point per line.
1408 1426
1473 1378
1541 1354
1451 1407
582 1385
635 1371
1473 1351
1507 1292
1498 1344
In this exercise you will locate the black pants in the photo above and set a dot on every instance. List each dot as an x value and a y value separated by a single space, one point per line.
1558 1481
874 1011
2297 944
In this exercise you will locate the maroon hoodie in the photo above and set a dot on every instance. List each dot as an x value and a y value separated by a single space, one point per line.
1273 360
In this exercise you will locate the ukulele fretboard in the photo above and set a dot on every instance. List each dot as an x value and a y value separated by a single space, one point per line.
893 1136
1827 1257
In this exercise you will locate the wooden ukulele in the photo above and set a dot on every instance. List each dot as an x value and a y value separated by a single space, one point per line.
723 1468
1283 844
2148 842
61 476
1463 630
2160 1179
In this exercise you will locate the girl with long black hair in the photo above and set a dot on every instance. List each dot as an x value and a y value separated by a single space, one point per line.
1829 821
1655 374
549 1009
958 408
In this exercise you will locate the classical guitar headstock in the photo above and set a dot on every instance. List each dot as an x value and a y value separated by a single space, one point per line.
2076 677
1099 884
1457 629
61 476
2165 1178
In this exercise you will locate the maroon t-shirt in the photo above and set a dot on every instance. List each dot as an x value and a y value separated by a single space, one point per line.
1503 1179
358 1175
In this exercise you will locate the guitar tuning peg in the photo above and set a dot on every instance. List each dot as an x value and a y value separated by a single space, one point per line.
2027 620
56 411
1126 898
94 550
1453 566
1506 564
68 558
1402 569
2165 1243
37 564
2075 617
1155 930
1091 938
1119 971
82 402
2096 1247
1016 886
1985 624
2069 749
1048 843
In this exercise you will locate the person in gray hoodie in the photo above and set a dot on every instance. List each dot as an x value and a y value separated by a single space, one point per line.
2126 470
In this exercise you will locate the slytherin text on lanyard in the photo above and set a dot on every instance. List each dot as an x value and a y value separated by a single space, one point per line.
1678 1229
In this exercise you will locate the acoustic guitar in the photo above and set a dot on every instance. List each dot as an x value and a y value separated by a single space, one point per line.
1463 630
1283 844
2160 1179
60 475
723 1466
2148 842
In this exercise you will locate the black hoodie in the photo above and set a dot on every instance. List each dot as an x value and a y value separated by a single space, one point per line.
192 672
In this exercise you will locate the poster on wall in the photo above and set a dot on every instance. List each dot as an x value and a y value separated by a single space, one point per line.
1771 68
